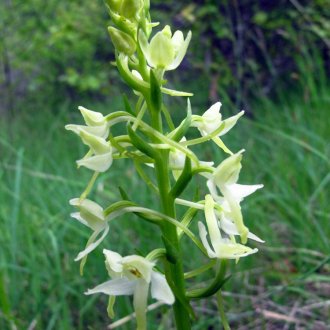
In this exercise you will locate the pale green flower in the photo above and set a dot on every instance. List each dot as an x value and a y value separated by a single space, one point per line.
95 121
211 120
222 247
91 215
133 275
99 158
164 50
224 178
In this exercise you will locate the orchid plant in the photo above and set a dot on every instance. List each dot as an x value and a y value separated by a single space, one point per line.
152 140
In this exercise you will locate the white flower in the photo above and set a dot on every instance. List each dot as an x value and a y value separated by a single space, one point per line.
99 158
91 215
222 248
132 275
165 51
95 121
224 178
211 120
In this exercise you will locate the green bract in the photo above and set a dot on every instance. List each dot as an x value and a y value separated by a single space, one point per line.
122 41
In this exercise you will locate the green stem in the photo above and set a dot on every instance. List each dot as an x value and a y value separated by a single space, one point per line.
173 272
223 317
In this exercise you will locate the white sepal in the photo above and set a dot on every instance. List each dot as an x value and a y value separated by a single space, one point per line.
160 289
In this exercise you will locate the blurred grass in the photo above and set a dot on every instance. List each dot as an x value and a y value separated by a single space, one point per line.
287 149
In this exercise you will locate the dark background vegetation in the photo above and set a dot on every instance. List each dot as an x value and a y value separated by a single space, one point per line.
268 57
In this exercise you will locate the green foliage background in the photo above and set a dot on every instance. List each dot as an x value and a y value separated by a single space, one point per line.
59 51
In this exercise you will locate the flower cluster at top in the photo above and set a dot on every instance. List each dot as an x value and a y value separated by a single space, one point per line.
152 139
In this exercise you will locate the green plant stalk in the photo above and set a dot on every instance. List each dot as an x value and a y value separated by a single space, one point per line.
174 272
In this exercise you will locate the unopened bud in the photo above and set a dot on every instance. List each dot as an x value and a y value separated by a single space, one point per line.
114 5
129 8
122 41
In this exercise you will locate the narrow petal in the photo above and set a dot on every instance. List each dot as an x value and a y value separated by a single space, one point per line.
77 216
116 287
242 190
93 245
140 300
160 289
231 122
211 220
99 163
177 40
101 131
203 236
236 214
181 53
230 229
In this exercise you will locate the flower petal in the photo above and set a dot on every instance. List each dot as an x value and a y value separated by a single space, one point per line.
101 131
90 213
144 45
230 123
203 236
242 190
116 287
113 261
99 163
93 244
92 118
228 170
211 220
77 216
96 143
181 53
160 289
230 229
